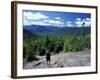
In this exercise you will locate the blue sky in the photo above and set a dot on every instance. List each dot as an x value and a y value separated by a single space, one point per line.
59 19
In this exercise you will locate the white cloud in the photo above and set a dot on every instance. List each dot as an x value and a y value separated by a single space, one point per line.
79 22
88 19
87 22
56 23
31 18
38 18
26 22
34 16
78 19
40 23
69 24
58 18
52 21
45 22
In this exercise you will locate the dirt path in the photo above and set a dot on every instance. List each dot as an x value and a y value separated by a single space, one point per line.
69 59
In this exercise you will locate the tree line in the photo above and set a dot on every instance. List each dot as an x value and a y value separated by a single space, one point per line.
37 45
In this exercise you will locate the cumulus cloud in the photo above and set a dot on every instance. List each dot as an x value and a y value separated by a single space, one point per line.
88 19
40 23
34 16
26 22
87 22
58 18
54 22
69 24
78 19
79 22
38 18
31 18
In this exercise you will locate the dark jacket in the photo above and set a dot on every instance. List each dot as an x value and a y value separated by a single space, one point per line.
48 56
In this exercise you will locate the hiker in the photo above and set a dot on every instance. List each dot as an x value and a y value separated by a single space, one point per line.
48 57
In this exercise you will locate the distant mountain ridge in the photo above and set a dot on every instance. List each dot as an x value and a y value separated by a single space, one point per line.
53 30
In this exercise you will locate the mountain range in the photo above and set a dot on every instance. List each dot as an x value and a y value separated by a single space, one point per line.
31 30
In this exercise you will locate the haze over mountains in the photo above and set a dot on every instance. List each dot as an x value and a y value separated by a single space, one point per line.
31 30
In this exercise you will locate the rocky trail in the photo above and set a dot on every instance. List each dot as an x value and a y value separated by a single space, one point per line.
70 59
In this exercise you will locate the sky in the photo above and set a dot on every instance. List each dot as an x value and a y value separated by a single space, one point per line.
59 19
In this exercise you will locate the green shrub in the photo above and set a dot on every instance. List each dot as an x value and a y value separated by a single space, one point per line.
37 45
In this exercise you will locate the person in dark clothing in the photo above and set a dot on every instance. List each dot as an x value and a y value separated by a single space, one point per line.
48 56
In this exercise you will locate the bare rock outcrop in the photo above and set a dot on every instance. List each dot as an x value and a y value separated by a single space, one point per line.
70 59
